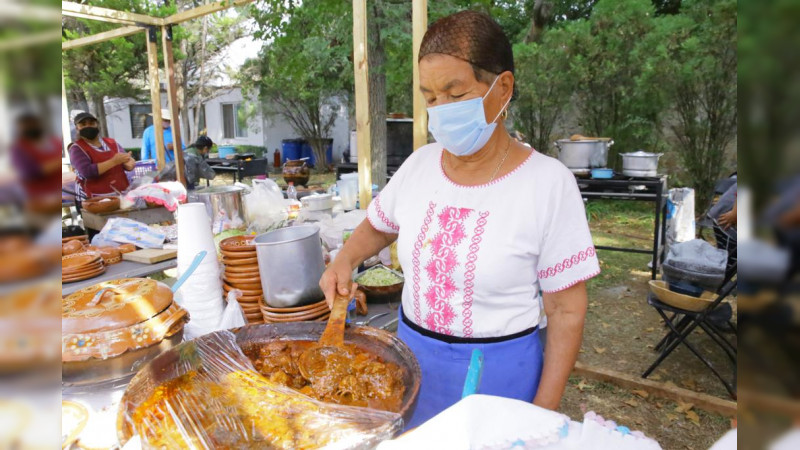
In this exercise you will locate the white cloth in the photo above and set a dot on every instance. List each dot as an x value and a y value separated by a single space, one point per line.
477 257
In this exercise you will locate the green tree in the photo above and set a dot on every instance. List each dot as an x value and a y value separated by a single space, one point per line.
703 87
544 87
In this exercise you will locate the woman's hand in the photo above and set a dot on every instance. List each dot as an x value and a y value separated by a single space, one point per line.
728 219
337 279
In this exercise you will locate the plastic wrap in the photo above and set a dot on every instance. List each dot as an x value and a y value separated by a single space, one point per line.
207 394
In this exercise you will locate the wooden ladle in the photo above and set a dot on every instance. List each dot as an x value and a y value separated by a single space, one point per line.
324 359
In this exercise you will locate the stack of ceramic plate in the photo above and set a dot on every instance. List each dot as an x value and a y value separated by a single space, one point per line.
316 312
81 266
241 272
84 239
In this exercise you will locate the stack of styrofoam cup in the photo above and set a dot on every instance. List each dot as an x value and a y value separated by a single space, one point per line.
202 293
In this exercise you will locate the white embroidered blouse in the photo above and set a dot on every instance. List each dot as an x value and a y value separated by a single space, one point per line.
476 258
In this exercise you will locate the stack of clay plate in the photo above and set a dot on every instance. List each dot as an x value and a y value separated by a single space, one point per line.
83 239
241 272
81 266
316 312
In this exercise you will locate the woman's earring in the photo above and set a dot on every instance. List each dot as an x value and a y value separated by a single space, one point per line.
504 114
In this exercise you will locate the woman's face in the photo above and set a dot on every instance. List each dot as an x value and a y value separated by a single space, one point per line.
446 79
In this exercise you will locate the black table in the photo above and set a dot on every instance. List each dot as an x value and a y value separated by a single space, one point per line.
647 189
239 168
353 167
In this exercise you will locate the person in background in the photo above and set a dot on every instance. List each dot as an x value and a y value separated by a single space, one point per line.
201 147
100 163
195 166
149 139
37 160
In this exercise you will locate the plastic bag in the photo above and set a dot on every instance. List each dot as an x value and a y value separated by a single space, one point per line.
680 216
265 205
210 396
233 315
169 194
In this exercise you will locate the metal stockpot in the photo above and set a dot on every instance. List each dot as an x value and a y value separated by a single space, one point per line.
221 200
583 154
290 263
640 161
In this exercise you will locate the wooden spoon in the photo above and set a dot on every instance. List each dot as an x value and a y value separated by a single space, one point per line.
320 360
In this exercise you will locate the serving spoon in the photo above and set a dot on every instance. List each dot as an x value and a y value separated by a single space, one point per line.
324 358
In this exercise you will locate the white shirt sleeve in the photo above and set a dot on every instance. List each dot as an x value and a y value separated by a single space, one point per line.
567 254
382 211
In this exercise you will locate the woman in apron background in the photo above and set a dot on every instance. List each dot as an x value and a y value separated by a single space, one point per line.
100 163
491 235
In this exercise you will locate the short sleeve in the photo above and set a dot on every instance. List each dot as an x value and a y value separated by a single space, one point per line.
567 254
381 212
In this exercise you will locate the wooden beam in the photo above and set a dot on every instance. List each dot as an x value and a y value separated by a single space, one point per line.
200 11
101 37
419 18
172 95
155 94
769 403
66 131
30 40
107 15
361 68
702 401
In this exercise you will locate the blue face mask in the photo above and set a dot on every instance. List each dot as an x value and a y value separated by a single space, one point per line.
461 126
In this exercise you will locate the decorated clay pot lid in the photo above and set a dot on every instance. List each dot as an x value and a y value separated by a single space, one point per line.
113 304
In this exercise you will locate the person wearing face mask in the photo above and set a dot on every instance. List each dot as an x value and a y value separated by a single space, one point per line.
149 139
492 236
100 163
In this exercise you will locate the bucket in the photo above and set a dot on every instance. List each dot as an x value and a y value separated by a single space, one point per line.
290 264
291 149
224 151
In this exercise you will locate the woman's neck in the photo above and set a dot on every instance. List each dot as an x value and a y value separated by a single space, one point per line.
478 161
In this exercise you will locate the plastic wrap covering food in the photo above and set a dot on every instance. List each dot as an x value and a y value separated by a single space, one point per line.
207 394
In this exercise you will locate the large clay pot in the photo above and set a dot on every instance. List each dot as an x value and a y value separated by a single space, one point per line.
297 172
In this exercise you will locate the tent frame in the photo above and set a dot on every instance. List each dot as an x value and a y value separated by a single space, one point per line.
133 23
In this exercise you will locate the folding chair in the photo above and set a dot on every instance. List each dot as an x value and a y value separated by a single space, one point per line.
682 322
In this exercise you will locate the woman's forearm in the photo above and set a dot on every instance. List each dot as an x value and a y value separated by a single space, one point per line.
105 166
566 312
364 243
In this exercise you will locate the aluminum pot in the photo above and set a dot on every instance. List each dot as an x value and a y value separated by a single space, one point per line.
290 263
640 161
582 154
221 201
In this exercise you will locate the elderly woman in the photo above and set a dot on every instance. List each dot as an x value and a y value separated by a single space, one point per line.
492 235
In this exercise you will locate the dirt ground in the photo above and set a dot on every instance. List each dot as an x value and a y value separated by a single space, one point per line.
621 330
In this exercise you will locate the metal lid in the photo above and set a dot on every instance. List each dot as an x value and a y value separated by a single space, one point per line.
218 190
641 153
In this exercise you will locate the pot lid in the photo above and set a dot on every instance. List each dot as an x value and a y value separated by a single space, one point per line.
641 153
124 302
218 190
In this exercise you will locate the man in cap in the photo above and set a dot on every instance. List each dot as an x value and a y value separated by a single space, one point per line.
149 139
100 163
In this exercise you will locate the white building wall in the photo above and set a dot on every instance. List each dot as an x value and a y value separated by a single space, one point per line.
262 131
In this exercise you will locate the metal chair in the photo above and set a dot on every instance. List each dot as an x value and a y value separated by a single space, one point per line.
682 322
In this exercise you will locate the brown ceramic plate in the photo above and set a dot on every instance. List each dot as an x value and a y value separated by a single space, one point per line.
323 308
242 278
251 299
298 319
295 309
71 247
237 255
126 248
237 244
86 268
84 276
244 286
82 237
246 292
82 271
78 260
240 262
99 205
246 269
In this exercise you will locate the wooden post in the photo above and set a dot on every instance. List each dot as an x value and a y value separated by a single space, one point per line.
155 94
66 132
361 68
172 95
419 24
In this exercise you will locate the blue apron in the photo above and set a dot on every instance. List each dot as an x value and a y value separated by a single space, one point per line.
511 368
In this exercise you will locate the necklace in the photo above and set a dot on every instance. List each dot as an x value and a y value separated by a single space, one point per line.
497 169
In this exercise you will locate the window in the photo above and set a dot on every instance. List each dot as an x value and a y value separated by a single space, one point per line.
233 123
140 119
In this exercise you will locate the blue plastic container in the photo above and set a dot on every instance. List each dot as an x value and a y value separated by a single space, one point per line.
307 152
602 173
291 149
224 151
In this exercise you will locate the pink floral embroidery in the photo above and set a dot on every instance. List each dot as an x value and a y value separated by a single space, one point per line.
440 268
469 276
574 260
415 258
382 216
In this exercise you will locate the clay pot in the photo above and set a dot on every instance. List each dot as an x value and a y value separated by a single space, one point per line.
71 247
99 205
297 172
126 248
